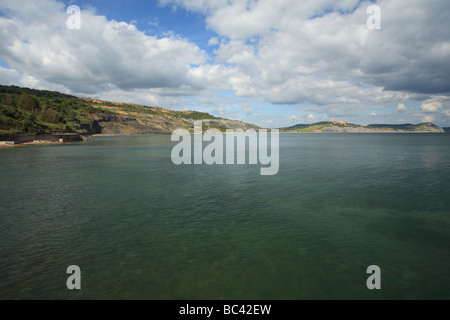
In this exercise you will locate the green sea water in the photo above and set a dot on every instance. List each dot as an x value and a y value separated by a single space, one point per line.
140 227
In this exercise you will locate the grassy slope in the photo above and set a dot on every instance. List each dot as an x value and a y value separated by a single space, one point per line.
29 111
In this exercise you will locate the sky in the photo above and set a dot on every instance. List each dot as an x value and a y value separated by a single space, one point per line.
266 62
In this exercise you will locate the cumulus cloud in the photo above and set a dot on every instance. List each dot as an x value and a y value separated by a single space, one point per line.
314 37
428 119
103 55
431 106
9 76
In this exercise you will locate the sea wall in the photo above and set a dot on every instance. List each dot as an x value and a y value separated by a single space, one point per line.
20 138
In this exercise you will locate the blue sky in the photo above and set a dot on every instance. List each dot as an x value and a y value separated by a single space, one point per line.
154 18
271 63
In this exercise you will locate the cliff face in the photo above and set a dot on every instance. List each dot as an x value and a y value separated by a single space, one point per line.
121 125
135 119
92 128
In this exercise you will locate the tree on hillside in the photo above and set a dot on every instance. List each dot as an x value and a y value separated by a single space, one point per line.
27 102
6 99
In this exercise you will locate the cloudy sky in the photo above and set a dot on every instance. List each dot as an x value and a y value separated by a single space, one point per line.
273 63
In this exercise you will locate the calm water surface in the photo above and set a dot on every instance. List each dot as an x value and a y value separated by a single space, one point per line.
142 228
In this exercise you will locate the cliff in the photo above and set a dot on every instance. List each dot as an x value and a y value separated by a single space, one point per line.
129 119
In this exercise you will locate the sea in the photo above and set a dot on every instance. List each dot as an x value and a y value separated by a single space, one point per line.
140 227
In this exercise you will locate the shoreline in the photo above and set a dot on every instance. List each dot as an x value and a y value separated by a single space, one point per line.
37 140
26 144
12 140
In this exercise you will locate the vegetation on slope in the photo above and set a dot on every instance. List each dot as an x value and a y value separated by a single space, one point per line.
29 111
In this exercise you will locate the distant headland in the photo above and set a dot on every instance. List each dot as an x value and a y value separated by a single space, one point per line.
344 127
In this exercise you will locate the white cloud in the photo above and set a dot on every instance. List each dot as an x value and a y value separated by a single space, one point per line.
428 119
431 106
9 76
401 107
104 55
247 108
305 42
213 41
312 37
373 113
221 110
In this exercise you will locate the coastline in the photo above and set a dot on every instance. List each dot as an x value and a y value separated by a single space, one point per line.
8 141
17 140
25 144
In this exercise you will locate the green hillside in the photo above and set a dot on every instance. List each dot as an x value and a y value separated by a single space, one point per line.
29 111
